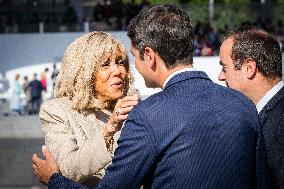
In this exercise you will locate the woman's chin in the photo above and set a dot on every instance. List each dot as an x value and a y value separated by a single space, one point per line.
115 95
111 95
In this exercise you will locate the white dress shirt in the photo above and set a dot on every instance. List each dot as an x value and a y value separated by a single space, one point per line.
268 96
175 73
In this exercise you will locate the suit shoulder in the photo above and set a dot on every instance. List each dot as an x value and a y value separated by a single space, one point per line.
57 103
151 100
55 106
235 95
278 100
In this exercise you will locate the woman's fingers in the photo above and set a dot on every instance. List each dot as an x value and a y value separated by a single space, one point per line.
132 97
122 118
128 98
127 101
125 110
121 110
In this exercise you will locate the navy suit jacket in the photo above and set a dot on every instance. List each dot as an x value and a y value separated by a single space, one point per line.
272 121
36 88
193 134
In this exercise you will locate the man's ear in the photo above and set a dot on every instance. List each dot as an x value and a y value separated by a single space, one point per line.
149 57
250 68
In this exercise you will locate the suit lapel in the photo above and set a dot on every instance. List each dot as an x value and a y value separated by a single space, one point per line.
263 115
187 75
275 99
270 105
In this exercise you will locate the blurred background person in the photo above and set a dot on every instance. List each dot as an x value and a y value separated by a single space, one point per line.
36 94
54 75
206 50
15 102
81 123
27 101
43 79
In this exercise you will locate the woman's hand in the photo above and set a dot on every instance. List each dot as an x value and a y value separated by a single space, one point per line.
120 113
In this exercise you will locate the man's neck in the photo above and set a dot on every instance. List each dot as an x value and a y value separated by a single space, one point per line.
167 73
259 89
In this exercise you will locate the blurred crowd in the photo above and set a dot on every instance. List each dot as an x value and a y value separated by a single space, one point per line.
207 39
117 14
106 15
28 95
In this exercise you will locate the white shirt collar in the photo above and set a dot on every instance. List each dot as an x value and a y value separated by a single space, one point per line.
268 96
175 73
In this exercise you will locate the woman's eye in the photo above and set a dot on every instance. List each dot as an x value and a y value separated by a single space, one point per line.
105 65
120 62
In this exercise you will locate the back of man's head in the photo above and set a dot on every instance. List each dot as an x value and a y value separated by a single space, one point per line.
167 30
260 46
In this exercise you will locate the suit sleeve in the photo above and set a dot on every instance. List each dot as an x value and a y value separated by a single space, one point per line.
58 181
263 180
78 163
134 156
280 150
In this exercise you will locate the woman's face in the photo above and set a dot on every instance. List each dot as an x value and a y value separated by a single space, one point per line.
109 81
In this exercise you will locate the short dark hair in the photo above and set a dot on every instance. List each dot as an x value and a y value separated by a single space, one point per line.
255 43
166 29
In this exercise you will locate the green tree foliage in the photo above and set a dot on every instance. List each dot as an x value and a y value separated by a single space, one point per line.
232 13
226 12
278 10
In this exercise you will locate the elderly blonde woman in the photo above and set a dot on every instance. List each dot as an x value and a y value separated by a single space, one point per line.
92 98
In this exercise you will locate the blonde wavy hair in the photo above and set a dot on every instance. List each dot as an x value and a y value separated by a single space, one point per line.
81 62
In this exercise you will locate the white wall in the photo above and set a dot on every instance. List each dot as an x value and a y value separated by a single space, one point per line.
209 65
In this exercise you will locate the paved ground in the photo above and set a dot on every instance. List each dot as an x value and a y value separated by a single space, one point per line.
20 137
15 162
20 127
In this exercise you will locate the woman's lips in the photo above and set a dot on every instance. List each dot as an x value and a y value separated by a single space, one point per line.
117 85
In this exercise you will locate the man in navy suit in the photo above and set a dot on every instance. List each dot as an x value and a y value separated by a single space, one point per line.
252 64
193 134
36 90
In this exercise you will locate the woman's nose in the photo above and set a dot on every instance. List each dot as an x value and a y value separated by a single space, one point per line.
114 68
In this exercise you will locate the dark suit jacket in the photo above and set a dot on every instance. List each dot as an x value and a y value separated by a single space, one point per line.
36 88
193 134
272 121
